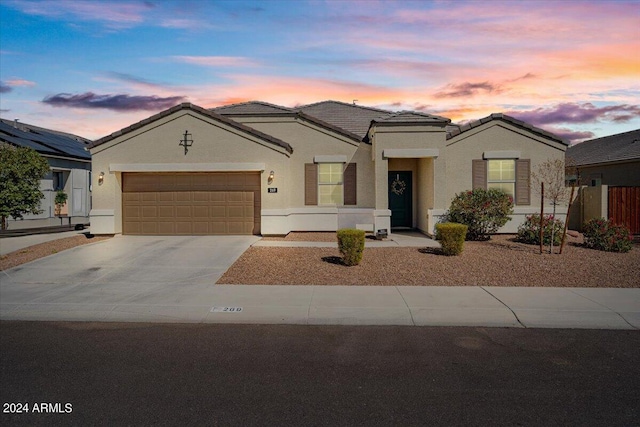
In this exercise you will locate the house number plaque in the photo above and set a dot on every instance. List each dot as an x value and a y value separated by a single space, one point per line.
226 309
272 190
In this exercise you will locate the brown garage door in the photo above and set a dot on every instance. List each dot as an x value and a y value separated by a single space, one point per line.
191 203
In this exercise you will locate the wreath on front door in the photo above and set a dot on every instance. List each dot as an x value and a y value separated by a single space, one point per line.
398 187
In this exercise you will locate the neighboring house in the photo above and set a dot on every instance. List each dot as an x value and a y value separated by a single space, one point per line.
70 164
258 168
611 160
607 170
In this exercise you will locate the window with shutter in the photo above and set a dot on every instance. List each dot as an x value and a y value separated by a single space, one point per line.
330 184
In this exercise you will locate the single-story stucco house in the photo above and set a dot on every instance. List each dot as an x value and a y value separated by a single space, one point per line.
258 168
70 164
610 160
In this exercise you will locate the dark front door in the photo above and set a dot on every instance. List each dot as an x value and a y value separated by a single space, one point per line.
400 199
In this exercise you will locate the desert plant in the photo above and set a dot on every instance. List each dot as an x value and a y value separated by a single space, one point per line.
529 230
351 245
482 211
552 174
60 200
21 170
451 236
604 235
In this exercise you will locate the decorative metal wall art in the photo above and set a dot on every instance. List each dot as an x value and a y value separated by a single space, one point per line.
186 141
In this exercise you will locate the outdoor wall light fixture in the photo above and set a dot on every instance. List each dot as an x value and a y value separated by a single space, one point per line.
271 176
101 178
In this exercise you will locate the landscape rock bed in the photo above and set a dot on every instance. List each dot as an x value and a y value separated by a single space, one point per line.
498 262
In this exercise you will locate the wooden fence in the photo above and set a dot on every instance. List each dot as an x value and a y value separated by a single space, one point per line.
624 207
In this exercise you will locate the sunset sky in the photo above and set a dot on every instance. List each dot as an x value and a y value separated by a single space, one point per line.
93 67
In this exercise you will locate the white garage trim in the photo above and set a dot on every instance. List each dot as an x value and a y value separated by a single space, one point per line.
187 167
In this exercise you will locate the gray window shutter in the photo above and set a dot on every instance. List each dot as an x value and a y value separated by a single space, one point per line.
523 189
350 185
479 173
310 184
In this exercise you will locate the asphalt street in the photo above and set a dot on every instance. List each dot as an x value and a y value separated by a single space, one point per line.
213 374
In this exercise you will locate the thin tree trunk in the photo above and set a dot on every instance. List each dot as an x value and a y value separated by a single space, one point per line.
541 215
553 228
4 223
566 221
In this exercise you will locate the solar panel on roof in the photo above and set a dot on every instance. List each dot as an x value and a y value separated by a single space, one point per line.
46 142
21 142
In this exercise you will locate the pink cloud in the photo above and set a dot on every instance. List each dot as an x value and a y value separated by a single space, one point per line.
20 82
217 61
114 13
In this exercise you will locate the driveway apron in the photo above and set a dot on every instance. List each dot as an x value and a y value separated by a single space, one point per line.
123 274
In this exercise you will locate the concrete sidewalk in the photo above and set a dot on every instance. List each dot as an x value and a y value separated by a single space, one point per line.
603 308
413 239
11 244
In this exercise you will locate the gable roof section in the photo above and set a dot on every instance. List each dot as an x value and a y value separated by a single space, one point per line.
613 148
264 109
191 107
252 108
44 141
411 117
354 119
459 129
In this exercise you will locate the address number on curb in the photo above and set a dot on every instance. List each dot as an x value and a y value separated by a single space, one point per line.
226 309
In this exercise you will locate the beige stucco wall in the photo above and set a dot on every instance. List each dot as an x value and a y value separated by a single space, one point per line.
216 147
309 141
496 136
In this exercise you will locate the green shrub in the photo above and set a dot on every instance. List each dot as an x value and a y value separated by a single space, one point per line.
482 211
604 235
451 236
529 231
351 245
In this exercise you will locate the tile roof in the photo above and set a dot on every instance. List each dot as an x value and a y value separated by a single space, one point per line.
613 148
456 130
203 111
45 141
259 108
252 108
355 119
412 117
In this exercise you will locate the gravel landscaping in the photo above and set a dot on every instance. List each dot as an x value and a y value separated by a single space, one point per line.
34 252
498 262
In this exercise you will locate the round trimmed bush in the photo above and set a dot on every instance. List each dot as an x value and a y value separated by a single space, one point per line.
451 236
351 245
482 211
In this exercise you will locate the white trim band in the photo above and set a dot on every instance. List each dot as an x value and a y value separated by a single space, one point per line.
501 155
330 159
410 153
186 167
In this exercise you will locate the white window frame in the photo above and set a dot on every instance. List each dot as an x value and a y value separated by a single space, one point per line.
502 180
334 184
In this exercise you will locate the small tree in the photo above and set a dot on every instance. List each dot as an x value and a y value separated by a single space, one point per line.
551 172
482 211
21 170
60 200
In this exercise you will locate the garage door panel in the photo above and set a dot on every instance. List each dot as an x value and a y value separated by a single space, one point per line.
201 196
183 196
183 213
191 203
149 197
200 212
149 228
166 197
166 212
149 212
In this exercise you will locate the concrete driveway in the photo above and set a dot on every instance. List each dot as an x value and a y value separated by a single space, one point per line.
120 278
